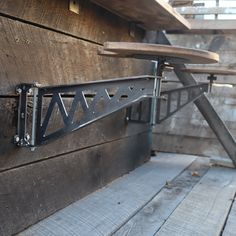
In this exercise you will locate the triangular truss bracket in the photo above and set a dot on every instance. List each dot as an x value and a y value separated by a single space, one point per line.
47 113
75 106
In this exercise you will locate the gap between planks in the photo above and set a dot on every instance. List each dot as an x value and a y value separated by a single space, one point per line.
205 209
47 28
104 211
230 226
150 218
71 152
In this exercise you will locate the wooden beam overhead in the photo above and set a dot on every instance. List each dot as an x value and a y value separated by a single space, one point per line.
148 14
208 27
205 10
213 24
180 3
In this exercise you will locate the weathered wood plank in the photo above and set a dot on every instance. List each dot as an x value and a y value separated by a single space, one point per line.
93 23
209 71
204 210
149 14
178 3
208 27
181 143
149 219
230 227
173 54
111 128
104 211
220 161
205 10
212 24
31 54
33 192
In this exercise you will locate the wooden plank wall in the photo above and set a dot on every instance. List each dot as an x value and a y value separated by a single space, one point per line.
43 41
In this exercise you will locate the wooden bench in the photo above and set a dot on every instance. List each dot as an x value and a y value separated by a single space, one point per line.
171 54
212 72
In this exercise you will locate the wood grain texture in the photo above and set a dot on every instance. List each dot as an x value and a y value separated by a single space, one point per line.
230 227
104 211
204 210
149 14
220 161
172 54
150 218
43 41
31 54
210 27
181 143
93 23
33 192
213 71
205 10
111 128
205 25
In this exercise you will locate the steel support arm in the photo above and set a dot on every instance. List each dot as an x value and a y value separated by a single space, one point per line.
207 110
58 110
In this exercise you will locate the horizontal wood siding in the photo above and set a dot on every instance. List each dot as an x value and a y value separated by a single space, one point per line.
111 128
30 53
32 192
43 41
93 22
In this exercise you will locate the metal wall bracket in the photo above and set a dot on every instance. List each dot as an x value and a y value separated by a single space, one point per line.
173 100
58 110
211 79
22 136
141 112
47 113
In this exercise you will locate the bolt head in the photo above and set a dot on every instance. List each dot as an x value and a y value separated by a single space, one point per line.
27 137
16 139
30 91
19 90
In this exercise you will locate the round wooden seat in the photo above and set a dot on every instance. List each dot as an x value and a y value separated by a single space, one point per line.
170 54
210 71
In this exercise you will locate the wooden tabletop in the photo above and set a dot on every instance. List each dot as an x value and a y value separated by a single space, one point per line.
149 14
173 55
211 71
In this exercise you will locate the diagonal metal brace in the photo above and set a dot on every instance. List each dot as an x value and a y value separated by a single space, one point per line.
207 110
173 100
76 106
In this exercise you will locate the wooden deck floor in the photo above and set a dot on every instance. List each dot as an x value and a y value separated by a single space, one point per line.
170 195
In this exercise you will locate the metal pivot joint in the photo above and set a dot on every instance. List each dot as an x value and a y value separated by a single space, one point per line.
211 79
159 67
